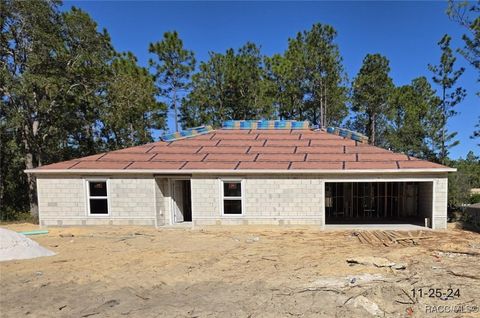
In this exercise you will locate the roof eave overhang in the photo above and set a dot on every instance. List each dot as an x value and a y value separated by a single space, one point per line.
240 172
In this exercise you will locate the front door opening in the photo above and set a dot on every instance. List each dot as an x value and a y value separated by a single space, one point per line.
182 201
377 202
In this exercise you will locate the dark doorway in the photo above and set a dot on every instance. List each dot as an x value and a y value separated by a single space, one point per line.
187 201
373 202
182 201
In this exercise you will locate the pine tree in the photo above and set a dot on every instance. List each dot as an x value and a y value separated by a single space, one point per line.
370 101
446 77
228 86
467 15
173 67
131 109
412 126
309 78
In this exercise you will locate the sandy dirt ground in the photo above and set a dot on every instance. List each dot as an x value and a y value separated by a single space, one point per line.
239 272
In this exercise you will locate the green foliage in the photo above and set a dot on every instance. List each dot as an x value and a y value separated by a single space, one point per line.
446 77
467 15
474 198
458 189
308 79
466 177
372 88
471 167
228 86
173 67
476 133
131 110
13 197
60 85
65 92
412 126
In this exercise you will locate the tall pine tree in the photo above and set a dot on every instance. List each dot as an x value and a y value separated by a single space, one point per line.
445 75
372 88
309 78
131 110
415 112
232 85
173 67
467 15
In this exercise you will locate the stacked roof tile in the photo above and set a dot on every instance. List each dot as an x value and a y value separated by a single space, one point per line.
250 149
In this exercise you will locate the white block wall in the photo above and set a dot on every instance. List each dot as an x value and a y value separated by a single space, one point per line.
162 197
205 198
61 198
440 203
425 199
63 201
144 200
267 200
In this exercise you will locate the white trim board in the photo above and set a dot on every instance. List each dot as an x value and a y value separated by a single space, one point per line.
382 180
234 172
88 197
221 182
171 181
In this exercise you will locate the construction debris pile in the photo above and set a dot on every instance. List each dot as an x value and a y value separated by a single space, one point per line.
391 238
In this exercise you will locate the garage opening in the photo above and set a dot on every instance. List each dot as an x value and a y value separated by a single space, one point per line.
378 203
182 201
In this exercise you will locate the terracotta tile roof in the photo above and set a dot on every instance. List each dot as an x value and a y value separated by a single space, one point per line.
282 143
250 150
317 165
277 150
331 157
263 165
281 157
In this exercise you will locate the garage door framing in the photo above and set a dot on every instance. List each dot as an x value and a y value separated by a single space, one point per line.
432 180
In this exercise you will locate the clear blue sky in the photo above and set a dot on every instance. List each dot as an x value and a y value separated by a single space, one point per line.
406 32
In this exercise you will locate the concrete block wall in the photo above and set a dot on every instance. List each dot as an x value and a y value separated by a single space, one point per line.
131 197
440 203
144 200
267 200
63 201
205 197
162 197
425 199
60 198
433 199
283 197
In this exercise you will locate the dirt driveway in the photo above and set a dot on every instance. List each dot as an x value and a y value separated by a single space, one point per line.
241 272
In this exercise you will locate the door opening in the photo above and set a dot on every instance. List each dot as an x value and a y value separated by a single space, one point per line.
378 202
182 201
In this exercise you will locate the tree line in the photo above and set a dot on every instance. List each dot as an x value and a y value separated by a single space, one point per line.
66 92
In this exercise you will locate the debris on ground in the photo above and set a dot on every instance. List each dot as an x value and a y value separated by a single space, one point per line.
66 235
375 261
252 239
344 281
449 253
15 246
390 238
367 304
282 271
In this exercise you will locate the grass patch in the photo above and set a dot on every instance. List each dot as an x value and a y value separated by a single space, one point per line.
18 217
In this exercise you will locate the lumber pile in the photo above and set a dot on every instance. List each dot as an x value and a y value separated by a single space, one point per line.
390 238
